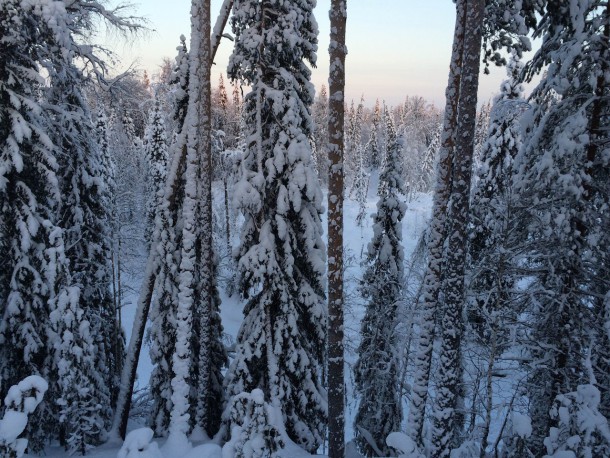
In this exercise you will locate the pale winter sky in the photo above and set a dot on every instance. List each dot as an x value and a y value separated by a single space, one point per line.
395 47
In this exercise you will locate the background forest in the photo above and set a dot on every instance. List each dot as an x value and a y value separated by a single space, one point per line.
255 267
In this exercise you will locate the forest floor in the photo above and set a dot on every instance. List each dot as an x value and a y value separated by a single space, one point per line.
356 240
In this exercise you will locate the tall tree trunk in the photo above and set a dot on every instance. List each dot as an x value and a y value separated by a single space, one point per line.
219 27
488 403
225 183
447 412
436 239
128 375
336 118
202 318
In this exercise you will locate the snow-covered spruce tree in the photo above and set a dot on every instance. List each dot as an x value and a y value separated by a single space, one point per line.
360 186
156 153
581 429
173 186
102 130
222 134
319 114
82 410
82 367
563 187
253 433
93 341
374 154
425 180
30 194
108 197
281 256
234 121
353 146
491 268
131 176
492 204
480 131
85 216
21 400
162 315
220 106
376 372
180 83
39 37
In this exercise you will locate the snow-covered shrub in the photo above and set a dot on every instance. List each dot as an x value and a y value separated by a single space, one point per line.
21 400
406 447
582 430
519 432
466 450
138 444
254 433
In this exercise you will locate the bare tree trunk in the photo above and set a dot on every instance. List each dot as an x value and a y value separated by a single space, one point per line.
225 183
433 275
128 376
336 118
120 290
448 407
489 389
202 316
221 22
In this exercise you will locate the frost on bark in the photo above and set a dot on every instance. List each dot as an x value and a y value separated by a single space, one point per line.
436 239
172 189
448 407
196 397
207 398
336 118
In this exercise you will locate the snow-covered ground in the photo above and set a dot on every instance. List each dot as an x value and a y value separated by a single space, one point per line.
356 239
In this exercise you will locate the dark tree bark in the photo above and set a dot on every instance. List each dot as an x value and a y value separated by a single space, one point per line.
433 276
336 117
447 408
205 290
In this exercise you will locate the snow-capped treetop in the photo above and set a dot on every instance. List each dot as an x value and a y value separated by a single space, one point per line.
180 83
289 39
